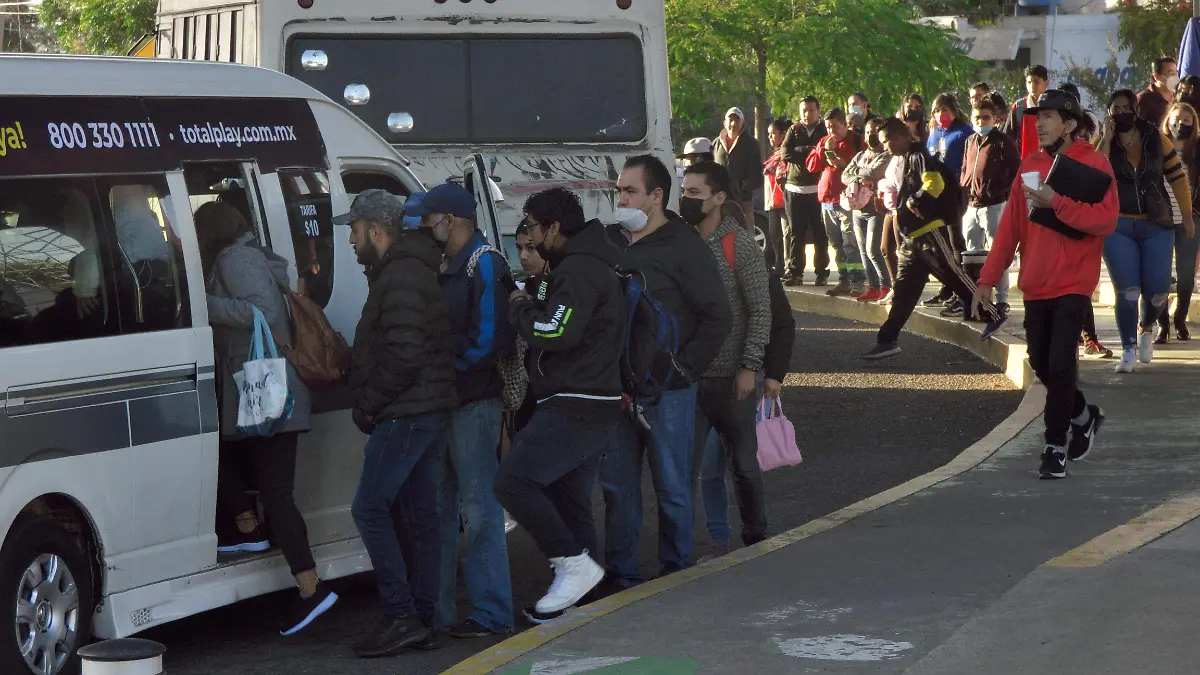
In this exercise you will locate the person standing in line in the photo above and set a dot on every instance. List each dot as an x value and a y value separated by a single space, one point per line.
830 158
1154 101
737 150
979 93
575 326
949 130
1138 253
1180 126
1024 132
725 400
402 383
858 111
802 207
681 275
912 113
774 174
988 172
1057 276
864 173
473 285
928 198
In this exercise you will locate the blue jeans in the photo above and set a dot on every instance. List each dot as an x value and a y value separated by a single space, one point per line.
668 446
868 236
713 469
467 494
980 224
1138 256
403 461
840 230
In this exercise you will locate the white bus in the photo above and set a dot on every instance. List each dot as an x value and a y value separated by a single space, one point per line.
550 92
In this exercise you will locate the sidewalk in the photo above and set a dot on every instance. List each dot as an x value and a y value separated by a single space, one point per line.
953 578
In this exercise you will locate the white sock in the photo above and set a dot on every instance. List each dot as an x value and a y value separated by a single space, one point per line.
1084 417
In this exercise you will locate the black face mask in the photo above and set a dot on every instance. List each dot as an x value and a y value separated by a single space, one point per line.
1054 147
1124 121
1183 131
874 144
691 209
913 116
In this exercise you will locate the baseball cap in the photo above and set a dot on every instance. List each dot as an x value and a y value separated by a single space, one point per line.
1057 99
697 146
446 198
734 111
377 206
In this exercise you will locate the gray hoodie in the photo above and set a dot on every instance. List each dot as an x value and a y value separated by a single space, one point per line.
245 275
749 301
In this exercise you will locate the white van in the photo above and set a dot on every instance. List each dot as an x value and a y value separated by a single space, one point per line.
108 433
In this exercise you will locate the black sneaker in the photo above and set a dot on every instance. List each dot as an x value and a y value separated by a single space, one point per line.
428 644
472 629
938 300
955 309
994 325
821 280
794 281
391 635
244 542
1054 463
1083 436
305 610
882 350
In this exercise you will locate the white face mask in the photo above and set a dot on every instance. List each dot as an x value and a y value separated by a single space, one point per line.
1171 82
633 220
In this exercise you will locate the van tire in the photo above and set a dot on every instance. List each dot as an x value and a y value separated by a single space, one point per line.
42 543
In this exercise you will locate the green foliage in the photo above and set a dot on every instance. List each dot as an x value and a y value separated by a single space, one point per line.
98 26
778 51
1099 88
1150 29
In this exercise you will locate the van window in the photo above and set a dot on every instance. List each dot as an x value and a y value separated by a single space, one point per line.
56 280
361 181
225 182
310 216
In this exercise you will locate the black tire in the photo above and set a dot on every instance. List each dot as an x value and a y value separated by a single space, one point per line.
29 540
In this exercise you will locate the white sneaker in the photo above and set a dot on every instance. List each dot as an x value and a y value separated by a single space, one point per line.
573 578
1128 358
1146 347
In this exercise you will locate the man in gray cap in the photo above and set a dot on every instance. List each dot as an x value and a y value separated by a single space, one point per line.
402 382
739 153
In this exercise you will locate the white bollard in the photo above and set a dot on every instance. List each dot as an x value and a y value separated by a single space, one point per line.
127 656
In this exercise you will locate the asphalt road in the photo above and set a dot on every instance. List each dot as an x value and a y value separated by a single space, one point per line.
862 427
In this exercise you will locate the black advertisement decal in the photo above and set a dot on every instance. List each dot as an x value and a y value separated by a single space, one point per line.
41 135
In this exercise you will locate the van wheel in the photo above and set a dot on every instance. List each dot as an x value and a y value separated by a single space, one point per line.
45 600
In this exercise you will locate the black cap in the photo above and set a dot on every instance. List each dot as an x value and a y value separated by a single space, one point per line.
1057 99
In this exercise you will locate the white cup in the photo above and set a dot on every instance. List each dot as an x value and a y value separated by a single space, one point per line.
1032 179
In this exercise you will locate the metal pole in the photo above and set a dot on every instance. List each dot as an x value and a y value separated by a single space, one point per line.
128 656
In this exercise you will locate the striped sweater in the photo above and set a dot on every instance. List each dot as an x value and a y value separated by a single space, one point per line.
749 301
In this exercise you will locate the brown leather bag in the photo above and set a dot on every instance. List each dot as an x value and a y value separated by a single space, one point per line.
319 353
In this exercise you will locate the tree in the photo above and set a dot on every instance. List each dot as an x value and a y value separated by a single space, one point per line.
1097 83
98 26
777 51
1150 29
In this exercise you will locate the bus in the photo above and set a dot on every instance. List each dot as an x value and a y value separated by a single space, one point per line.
552 93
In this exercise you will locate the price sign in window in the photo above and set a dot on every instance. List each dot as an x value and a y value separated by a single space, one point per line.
310 214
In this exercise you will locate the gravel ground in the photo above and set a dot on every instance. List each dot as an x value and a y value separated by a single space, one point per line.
862 427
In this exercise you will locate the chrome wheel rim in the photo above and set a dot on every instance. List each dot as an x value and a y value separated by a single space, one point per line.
47 614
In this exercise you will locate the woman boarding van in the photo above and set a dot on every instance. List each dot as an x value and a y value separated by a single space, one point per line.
109 425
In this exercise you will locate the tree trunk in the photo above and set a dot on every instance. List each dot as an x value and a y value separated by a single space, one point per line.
760 97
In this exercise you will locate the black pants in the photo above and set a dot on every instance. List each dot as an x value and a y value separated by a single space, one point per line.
717 408
930 253
1052 330
804 217
1089 324
545 480
776 261
272 461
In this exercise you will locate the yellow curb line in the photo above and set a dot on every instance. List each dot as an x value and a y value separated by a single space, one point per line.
1132 535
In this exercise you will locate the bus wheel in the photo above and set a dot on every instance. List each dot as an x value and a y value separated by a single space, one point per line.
45 600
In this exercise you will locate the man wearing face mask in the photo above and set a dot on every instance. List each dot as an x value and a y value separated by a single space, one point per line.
858 111
473 281
739 153
1156 99
991 164
402 384
681 275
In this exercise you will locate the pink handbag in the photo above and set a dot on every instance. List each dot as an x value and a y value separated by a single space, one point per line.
776 437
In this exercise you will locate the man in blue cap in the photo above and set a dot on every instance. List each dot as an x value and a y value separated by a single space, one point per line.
474 280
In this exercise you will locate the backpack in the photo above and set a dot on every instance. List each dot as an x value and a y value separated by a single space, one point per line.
319 353
511 368
649 363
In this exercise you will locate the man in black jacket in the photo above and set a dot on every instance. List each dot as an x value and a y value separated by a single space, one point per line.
402 381
681 274
800 196
738 151
575 327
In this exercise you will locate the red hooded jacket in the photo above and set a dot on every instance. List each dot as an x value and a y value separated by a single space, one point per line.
1053 265
830 187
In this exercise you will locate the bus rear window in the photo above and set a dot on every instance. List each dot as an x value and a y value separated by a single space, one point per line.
488 90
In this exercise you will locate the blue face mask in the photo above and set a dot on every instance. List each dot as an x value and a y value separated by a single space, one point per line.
984 131
856 110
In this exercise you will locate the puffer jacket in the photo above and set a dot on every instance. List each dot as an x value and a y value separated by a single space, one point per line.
402 363
245 275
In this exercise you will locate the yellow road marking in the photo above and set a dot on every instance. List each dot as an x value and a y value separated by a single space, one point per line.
1132 535
523 643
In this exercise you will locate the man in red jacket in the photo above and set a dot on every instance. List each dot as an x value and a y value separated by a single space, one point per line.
831 157
1058 275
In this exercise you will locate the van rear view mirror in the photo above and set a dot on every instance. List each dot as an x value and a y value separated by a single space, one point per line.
357 94
400 122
